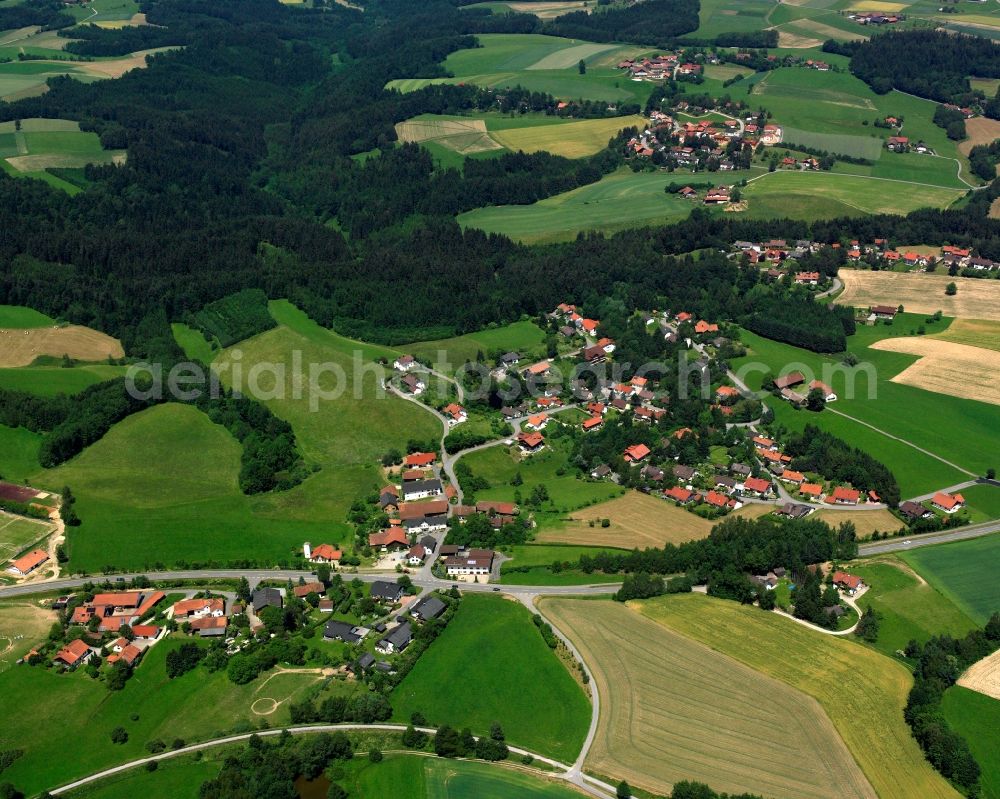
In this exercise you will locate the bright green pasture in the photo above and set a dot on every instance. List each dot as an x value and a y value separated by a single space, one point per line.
970 445
909 609
48 381
18 453
19 316
619 201
492 647
175 777
523 337
977 719
193 707
566 492
965 572
413 777
809 195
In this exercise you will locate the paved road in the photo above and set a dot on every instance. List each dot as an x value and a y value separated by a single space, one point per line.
256 576
837 286
589 784
930 539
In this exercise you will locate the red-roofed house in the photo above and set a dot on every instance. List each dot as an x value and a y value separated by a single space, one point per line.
416 555
847 582
727 392
701 326
530 442
302 591
592 423
811 490
74 654
128 653
949 503
393 538
419 459
325 553
828 393
636 453
188 608
537 422
844 496
718 500
789 476
456 413
679 494
25 565
758 486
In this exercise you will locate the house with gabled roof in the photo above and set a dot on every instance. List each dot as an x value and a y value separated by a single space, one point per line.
636 453
74 654
948 503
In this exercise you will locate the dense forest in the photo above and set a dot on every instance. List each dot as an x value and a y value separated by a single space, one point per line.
935 64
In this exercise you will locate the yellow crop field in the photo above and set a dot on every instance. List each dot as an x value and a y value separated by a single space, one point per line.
464 136
922 293
862 691
865 522
637 520
974 332
673 709
572 140
948 368
21 347
983 676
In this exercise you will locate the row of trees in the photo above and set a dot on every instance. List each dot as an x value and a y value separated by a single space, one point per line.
939 663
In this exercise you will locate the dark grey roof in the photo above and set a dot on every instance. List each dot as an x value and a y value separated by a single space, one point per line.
385 666
211 632
430 607
341 631
428 542
682 472
420 486
510 357
741 468
381 589
399 637
265 597
722 480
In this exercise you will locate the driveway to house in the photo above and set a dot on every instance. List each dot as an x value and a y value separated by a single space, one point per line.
837 286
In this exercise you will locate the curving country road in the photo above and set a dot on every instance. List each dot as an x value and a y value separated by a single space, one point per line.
592 786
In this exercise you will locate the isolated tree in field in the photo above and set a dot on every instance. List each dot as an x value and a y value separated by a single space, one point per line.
951 290
119 735
582 66
623 791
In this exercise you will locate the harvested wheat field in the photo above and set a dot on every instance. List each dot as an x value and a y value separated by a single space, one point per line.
865 522
637 520
947 368
136 20
863 692
21 347
551 10
980 131
119 66
974 332
794 41
995 208
922 293
464 136
672 709
984 676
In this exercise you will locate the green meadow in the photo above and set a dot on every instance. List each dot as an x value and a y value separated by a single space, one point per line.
195 706
550 468
524 337
541 63
22 317
172 473
977 719
18 453
909 608
175 777
619 201
965 572
411 777
819 195
48 381
491 664
970 445
730 16
983 502
44 144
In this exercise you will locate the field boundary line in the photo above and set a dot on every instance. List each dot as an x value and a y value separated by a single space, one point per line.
904 441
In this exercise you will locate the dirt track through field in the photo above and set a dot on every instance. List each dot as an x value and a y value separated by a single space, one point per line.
977 298
21 347
983 676
948 368
674 709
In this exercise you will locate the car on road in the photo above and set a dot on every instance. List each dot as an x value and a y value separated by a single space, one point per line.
907 542
496 589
